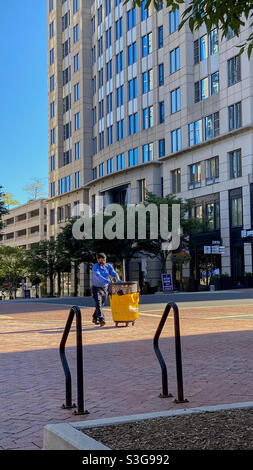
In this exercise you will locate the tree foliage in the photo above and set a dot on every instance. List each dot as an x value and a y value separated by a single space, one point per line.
46 259
3 208
157 247
13 267
35 189
213 14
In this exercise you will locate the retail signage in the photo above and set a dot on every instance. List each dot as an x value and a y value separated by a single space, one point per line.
246 233
167 283
214 250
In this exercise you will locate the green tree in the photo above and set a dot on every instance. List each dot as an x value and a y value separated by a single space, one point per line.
86 249
156 247
45 260
214 14
35 189
13 267
3 208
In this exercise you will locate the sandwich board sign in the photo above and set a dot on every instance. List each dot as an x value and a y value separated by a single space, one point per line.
167 283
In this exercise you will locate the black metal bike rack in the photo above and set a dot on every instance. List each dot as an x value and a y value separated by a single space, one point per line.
74 311
165 393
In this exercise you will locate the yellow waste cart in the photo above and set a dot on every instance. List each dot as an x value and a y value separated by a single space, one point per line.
124 301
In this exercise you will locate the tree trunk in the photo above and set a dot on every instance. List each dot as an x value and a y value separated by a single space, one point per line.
59 283
51 278
163 259
75 279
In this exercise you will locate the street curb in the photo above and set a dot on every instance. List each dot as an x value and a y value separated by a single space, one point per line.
69 436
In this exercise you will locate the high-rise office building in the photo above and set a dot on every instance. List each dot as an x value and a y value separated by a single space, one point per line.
136 105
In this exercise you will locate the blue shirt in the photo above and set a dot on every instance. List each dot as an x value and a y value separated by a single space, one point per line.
100 276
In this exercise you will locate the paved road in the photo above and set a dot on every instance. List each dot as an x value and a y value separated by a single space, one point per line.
121 373
183 299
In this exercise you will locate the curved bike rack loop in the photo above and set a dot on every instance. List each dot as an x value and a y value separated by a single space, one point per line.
165 394
74 311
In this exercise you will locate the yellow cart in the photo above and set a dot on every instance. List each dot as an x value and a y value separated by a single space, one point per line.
124 301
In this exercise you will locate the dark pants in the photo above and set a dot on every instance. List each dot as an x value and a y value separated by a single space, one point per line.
100 295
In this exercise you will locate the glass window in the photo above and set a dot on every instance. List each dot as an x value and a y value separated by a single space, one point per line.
173 20
235 159
109 134
195 175
51 30
198 131
196 51
131 54
133 123
101 169
77 150
175 100
234 70
213 214
142 190
52 83
236 211
119 28
107 7
94 173
51 56
160 37
214 41
174 60
77 179
234 116
120 161
52 161
133 157
161 112
203 49
176 181
147 81
131 18
161 74
52 109
204 88
230 33
212 169
147 117
147 152
120 96
75 6
76 62
76 92
52 216
145 12
76 33
110 166
161 148
77 121
53 189
214 84
52 136
120 129
176 140
108 38
146 44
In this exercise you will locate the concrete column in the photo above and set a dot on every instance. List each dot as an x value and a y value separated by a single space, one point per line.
247 225
224 229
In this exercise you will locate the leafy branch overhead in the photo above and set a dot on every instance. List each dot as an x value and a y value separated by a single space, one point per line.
224 15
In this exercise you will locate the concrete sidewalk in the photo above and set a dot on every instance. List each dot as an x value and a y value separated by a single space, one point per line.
121 373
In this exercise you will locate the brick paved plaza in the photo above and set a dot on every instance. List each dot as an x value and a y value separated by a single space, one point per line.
121 373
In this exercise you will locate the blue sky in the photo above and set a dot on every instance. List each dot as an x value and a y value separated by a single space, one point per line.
23 84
